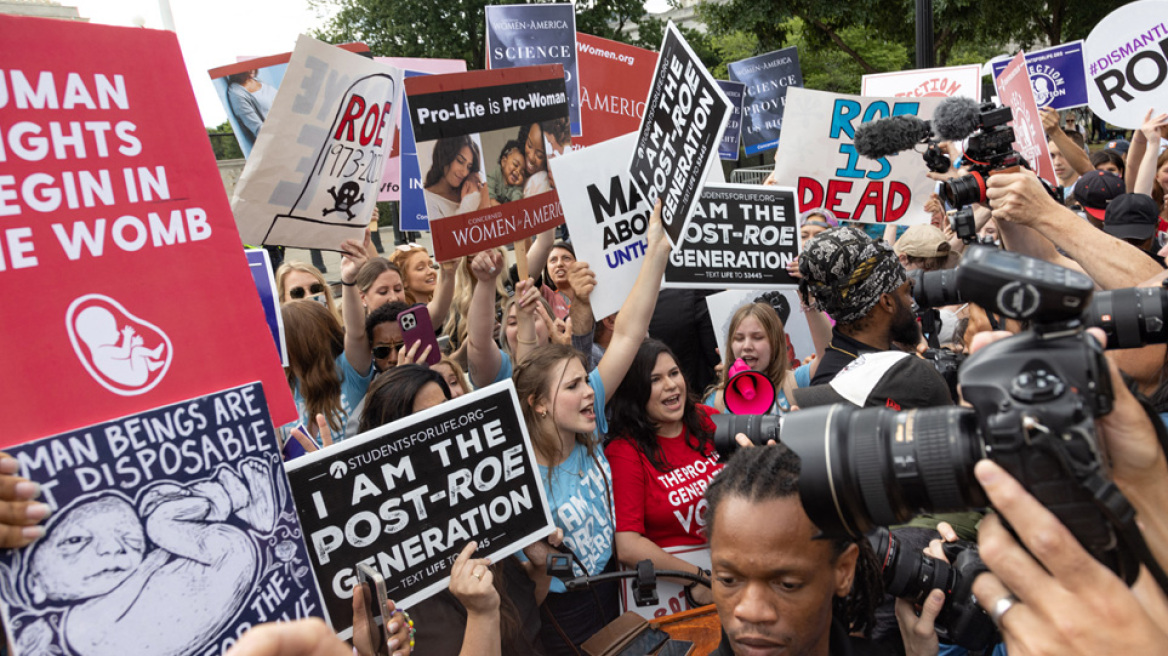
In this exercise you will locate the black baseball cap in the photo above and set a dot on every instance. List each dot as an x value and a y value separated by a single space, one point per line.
891 379
1096 189
1131 216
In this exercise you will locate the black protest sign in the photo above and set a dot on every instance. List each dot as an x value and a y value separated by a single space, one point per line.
172 532
741 237
686 115
405 498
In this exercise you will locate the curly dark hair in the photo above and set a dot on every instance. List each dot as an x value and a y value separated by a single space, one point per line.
629 420
764 473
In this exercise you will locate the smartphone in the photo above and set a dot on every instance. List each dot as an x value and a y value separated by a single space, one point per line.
645 643
444 344
416 327
376 607
292 448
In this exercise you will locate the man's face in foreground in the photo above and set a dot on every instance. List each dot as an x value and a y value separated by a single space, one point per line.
774 585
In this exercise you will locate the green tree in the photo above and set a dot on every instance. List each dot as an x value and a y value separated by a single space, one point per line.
454 29
223 142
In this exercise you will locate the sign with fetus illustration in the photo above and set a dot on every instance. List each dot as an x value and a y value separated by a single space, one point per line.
313 178
127 287
171 532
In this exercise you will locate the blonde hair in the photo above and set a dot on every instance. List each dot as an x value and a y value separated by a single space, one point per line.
463 381
288 267
772 325
464 284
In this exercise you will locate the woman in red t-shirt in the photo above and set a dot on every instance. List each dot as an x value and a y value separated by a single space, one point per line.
662 458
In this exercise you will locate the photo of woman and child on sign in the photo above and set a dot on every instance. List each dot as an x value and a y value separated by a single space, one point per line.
474 172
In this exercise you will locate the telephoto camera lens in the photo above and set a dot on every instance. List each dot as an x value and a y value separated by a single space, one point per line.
759 428
877 467
932 289
964 190
1131 317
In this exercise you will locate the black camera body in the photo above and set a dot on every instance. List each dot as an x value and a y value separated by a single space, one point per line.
912 575
1034 396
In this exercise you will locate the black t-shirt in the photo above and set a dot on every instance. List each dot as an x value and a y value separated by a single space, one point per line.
440 621
839 354
841 643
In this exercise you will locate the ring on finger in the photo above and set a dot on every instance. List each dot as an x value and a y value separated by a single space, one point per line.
1001 607
479 572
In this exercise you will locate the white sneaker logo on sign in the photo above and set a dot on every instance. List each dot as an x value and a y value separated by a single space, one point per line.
125 354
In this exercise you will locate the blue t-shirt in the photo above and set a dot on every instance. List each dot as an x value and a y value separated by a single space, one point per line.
353 388
580 497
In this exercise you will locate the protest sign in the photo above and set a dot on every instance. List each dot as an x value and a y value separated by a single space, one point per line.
741 237
391 178
261 271
312 179
534 35
614 80
670 596
1016 92
412 212
925 83
786 302
767 78
1127 63
248 87
405 498
127 287
480 138
1057 75
818 158
172 532
736 94
685 118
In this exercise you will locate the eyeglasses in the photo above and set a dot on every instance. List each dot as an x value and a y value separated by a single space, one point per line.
298 292
382 352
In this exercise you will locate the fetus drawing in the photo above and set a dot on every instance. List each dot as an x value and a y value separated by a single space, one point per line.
124 353
161 575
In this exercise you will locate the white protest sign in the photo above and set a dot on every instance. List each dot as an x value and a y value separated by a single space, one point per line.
925 83
817 157
722 307
670 595
1127 63
313 176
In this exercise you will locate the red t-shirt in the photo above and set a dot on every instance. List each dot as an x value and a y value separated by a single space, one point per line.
669 507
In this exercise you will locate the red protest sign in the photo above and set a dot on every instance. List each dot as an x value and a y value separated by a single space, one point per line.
1015 92
614 83
128 289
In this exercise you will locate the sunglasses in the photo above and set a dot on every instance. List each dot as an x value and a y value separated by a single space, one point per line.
382 352
298 292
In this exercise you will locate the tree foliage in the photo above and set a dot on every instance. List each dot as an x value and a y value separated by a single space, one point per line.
456 29
223 142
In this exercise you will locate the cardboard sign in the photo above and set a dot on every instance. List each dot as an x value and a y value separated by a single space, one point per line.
407 497
172 531
464 124
127 289
925 83
741 237
1127 63
1057 75
736 93
312 180
248 87
1016 92
723 306
686 117
391 178
767 78
535 34
818 158
614 80
260 264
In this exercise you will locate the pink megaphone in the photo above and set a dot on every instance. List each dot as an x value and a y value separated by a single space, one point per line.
748 392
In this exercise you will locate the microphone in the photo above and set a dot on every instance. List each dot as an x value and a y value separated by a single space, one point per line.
956 118
889 136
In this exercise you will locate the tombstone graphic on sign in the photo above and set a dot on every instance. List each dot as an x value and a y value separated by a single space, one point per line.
349 162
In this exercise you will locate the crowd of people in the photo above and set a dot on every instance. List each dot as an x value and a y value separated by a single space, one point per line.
619 412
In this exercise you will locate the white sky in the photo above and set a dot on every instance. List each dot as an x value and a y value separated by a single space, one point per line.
212 33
